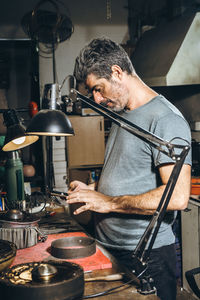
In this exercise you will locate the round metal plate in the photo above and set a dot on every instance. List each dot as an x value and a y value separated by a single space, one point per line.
73 247
7 254
19 284
26 220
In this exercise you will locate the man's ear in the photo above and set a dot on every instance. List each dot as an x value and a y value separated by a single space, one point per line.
116 72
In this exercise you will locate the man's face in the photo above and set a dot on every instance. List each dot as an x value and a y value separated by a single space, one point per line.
111 93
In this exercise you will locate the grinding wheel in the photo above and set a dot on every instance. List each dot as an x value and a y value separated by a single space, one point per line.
21 283
7 254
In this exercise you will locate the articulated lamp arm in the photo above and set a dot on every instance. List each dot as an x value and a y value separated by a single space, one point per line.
147 136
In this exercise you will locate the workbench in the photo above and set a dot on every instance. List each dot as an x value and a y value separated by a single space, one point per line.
61 224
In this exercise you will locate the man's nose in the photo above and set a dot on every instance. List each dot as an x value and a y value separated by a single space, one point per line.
98 98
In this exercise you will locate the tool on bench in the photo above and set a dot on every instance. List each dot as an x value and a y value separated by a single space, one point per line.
111 277
61 197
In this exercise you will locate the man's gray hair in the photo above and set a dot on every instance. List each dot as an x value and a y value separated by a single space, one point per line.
98 57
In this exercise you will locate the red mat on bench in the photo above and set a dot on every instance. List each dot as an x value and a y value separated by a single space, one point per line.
41 251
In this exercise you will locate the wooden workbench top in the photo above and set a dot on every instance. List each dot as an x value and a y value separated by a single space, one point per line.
128 291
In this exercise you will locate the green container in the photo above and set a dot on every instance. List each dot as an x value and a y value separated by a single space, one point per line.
14 180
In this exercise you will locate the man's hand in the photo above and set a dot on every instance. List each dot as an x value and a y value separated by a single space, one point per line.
76 186
91 200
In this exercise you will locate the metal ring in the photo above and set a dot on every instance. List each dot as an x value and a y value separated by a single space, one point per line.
73 247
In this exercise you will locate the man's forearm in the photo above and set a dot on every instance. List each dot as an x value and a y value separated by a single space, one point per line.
144 204
147 203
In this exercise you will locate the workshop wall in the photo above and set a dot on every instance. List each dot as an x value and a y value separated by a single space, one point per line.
90 19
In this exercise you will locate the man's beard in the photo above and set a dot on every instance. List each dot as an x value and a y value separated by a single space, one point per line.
120 96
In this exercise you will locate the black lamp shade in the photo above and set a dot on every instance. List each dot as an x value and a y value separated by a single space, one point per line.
16 137
51 123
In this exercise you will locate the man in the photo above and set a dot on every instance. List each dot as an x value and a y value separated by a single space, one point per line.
134 175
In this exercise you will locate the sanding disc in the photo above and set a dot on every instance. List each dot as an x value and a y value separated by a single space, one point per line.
43 280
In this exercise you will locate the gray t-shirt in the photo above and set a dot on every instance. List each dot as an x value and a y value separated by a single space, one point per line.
130 168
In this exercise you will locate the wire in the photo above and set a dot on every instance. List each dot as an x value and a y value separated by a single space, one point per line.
35 197
66 78
46 48
107 291
179 138
171 148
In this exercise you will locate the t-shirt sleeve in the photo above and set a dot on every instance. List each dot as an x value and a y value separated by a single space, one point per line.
174 129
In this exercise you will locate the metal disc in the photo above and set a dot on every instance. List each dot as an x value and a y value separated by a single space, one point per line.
66 284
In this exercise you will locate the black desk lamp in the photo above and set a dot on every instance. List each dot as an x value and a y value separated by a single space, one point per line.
16 138
16 225
50 121
141 253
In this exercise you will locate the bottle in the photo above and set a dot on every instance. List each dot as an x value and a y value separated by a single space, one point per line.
14 180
